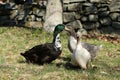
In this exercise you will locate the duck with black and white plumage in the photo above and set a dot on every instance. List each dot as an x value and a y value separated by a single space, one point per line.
48 52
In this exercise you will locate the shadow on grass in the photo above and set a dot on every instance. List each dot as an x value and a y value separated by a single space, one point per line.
67 65
22 61
99 65
64 58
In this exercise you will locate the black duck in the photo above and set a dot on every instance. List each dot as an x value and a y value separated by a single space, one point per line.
46 53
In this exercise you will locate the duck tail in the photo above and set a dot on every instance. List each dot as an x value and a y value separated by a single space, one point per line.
101 47
22 54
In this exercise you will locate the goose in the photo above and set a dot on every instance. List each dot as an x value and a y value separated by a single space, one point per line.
46 53
72 41
80 55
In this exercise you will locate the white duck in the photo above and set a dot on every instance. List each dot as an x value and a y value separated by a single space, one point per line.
93 49
80 56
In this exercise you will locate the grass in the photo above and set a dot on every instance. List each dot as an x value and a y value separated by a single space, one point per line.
14 40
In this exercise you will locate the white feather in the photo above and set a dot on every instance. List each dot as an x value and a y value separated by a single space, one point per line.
82 56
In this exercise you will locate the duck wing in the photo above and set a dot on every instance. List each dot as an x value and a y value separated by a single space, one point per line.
93 49
44 53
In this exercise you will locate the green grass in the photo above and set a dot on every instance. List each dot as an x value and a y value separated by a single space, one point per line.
14 40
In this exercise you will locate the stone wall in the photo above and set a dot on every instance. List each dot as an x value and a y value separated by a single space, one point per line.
102 15
29 15
89 15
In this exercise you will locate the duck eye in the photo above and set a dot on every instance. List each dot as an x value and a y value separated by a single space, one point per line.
77 35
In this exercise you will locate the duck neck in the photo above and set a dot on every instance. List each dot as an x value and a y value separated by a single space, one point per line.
79 45
73 34
57 41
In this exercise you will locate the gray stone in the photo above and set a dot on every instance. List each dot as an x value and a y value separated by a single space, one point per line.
38 19
95 1
35 10
118 18
102 9
20 17
39 13
107 30
84 18
105 21
91 25
73 7
54 15
65 7
30 18
77 15
116 25
115 5
14 14
34 24
83 31
12 5
75 24
103 13
21 12
67 17
27 6
87 4
102 5
42 3
73 1
88 8
93 17
66 1
100 1
8 6
114 16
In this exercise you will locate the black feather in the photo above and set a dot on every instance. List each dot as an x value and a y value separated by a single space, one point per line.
45 53
40 54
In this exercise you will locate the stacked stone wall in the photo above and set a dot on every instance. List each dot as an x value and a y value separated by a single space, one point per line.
89 15
29 15
93 15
